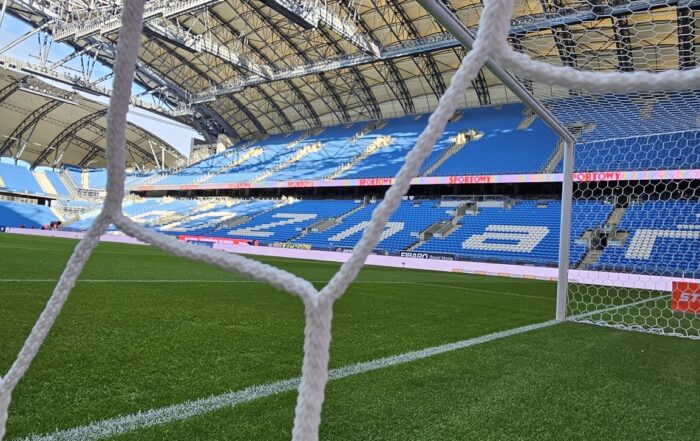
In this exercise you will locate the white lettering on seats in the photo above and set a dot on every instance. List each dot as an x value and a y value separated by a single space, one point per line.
211 217
525 238
390 229
143 217
259 230
643 242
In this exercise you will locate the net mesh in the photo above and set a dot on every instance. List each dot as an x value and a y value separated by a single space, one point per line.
553 47
630 266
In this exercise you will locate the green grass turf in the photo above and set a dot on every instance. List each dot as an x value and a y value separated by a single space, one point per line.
123 347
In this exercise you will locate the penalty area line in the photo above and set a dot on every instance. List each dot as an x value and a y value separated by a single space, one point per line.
129 423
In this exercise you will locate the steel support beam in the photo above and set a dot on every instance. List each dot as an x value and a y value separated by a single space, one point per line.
28 123
278 110
111 20
312 14
8 90
72 56
368 100
686 39
200 43
621 31
424 60
481 89
67 133
2 11
403 94
339 105
23 38
453 25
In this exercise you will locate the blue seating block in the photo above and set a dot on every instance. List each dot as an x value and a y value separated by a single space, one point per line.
18 178
17 214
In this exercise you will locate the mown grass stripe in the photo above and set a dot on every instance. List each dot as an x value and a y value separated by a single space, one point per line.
188 409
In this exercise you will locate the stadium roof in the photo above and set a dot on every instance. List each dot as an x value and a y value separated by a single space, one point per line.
46 125
249 67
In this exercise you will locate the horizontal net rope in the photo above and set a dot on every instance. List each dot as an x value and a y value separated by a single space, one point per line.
491 43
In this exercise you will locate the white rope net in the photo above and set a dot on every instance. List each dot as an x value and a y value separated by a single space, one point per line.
491 42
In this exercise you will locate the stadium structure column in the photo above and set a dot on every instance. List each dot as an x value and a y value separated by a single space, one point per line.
443 15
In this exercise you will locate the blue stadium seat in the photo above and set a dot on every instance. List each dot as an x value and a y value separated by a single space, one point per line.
18 178
285 222
527 233
17 214
57 183
663 239
410 219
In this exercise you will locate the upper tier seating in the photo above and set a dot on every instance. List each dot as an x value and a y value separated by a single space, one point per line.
283 157
274 152
410 219
57 183
97 178
503 149
336 149
18 178
667 151
386 161
76 175
634 115
17 214
663 237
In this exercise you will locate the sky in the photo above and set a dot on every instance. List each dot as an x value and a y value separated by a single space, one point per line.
173 132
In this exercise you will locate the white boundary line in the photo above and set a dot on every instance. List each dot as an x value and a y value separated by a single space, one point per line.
388 282
584 315
129 423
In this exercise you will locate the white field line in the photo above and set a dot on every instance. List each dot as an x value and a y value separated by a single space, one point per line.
504 293
613 308
129 423
399 282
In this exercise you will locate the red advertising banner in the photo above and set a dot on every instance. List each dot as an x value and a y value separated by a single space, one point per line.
652 175
686 297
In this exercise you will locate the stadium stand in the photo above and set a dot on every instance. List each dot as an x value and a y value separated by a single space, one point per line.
19 179
18 214
57 183
288 221
526 232
410 219
378 149
662 236
665 151
503 148
97 178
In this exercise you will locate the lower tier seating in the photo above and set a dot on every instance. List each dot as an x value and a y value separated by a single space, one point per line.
663 238
17 214
658 237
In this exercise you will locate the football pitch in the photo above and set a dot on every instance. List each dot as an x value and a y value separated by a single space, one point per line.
153 347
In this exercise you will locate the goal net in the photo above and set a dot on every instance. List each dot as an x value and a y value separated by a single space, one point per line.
634 235
635 229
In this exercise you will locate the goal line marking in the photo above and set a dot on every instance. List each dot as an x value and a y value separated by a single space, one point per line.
188 409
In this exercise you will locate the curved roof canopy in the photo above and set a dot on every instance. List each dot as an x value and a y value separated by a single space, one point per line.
46 125
250 67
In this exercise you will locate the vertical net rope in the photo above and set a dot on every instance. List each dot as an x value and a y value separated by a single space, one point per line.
491 42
